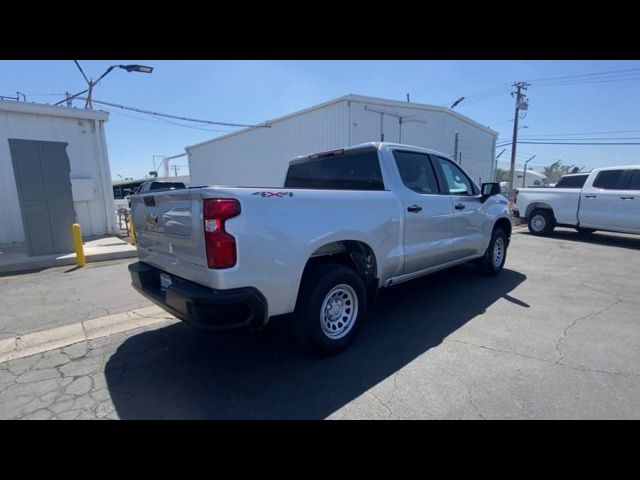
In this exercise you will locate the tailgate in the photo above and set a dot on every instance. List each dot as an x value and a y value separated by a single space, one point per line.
168 228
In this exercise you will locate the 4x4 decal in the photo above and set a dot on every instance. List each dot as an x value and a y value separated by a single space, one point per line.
273 194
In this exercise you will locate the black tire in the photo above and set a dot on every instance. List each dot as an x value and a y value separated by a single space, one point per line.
307 321
488 263
585 231
541 222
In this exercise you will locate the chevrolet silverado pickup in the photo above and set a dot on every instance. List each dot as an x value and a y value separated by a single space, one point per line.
345 224
608 199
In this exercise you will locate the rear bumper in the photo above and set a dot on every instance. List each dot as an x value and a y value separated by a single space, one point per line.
515 213
202 307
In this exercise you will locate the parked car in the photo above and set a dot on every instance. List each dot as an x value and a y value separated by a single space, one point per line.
155 186
609 199
346 224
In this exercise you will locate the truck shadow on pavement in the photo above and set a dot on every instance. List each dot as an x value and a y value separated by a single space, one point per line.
178 372
609 239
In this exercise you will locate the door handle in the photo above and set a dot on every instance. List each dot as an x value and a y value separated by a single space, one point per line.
589 196
414 208
459 206
627 198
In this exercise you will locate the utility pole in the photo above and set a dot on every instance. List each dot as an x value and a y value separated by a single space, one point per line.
521 104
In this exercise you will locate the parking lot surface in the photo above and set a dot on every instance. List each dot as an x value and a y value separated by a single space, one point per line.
58 296
555 335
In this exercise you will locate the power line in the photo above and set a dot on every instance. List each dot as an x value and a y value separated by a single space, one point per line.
164 121
178 117
578 133
586 75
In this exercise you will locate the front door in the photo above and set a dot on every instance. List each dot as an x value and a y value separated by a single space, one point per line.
468 218
41 170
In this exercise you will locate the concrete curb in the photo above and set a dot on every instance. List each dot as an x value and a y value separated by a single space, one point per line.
38 342
62 261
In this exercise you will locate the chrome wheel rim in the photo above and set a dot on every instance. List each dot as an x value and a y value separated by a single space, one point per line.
498 252
538 223
339 311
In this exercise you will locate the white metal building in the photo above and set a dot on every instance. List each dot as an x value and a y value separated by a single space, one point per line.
259 156
54 171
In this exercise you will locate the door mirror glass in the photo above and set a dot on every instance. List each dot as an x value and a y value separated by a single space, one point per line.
490 189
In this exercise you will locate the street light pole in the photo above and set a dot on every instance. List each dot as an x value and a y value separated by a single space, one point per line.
524 174
91 84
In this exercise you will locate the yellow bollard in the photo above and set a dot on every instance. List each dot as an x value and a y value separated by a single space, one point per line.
132 230
77 240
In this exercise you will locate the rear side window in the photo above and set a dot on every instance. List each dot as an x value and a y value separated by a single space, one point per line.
608 179
343 170
633 182
416 172
167 186
574 181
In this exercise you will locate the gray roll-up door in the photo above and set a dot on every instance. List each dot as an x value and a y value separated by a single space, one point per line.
42 177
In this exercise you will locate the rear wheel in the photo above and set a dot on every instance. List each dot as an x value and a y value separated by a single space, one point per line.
330 308
541 222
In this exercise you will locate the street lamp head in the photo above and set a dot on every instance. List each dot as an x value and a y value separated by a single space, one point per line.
137 68
457 102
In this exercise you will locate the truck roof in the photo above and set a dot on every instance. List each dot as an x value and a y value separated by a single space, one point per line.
377 145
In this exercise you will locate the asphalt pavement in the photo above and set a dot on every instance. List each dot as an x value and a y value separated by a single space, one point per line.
555 335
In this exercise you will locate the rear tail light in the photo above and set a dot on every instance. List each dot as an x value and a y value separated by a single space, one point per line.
515 197
220 245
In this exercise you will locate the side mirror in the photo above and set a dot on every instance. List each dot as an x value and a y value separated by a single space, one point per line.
490 189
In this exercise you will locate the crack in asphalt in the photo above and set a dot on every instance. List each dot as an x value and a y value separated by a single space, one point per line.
473 404
546 360
565 332
389 411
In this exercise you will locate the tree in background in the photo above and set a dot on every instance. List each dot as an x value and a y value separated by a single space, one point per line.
557 170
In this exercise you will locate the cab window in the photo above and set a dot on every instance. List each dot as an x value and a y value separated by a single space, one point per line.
416 172
455 179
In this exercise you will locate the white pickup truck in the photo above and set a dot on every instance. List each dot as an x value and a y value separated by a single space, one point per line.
608 199
346 224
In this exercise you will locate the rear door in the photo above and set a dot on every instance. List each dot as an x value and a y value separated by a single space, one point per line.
599 199
428 213
628 206
468 218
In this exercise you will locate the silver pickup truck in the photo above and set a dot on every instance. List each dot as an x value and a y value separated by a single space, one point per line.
346 224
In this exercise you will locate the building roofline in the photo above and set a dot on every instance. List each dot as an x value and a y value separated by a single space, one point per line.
52 110
358 99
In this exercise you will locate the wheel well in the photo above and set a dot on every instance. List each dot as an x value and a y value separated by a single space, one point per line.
353 254
505 225
538 206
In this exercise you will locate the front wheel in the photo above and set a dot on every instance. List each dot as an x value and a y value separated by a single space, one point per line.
330 308
493 261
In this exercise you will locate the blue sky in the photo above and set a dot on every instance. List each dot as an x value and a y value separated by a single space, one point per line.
255 91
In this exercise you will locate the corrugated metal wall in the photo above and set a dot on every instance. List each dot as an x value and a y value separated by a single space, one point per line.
260 157
87 159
